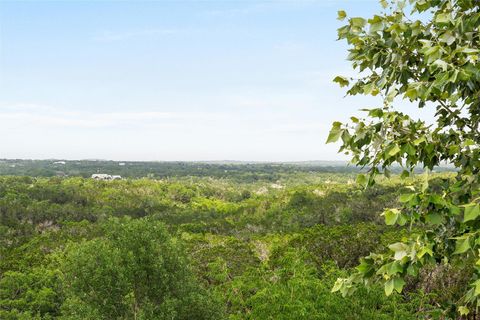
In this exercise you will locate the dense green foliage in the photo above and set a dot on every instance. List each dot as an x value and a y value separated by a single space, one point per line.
136 271
200 248
427 52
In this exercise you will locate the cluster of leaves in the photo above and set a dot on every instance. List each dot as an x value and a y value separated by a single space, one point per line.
426 52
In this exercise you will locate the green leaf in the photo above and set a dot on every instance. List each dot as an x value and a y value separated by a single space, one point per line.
406 197
376 113
437 199
341 15
441 64
398 284
361 179
447 37
402 219
346 137
393 150
338 285
468 143
418 141
412 270
433 53
434 218
454 209
335 132
391 216
468 50
441 80
364 267
423 251
454 76
442 18
477 287
376 26
342 81
400 250
393 268
463 310
462 245
472 211
411 93
358 22
409 149
389 286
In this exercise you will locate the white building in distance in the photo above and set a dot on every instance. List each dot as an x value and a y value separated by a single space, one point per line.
105 177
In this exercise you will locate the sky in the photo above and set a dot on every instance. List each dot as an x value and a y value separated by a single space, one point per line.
173 80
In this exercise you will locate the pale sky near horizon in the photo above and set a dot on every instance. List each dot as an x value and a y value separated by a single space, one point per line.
173 80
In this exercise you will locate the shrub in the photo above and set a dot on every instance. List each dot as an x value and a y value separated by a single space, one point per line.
137 271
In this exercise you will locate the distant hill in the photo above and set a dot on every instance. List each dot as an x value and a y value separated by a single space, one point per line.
241 170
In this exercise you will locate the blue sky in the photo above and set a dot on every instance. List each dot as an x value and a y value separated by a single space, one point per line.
173 80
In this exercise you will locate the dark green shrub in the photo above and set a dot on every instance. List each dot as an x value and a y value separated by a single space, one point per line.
137 271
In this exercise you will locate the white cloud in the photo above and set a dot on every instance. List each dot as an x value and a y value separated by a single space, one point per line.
247 133
47 116
107 36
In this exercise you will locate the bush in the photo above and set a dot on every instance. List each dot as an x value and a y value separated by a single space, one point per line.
137 271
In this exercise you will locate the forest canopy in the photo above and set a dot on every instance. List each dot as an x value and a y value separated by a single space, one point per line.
76 248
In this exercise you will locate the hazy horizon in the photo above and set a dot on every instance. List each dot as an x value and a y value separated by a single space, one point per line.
192 161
